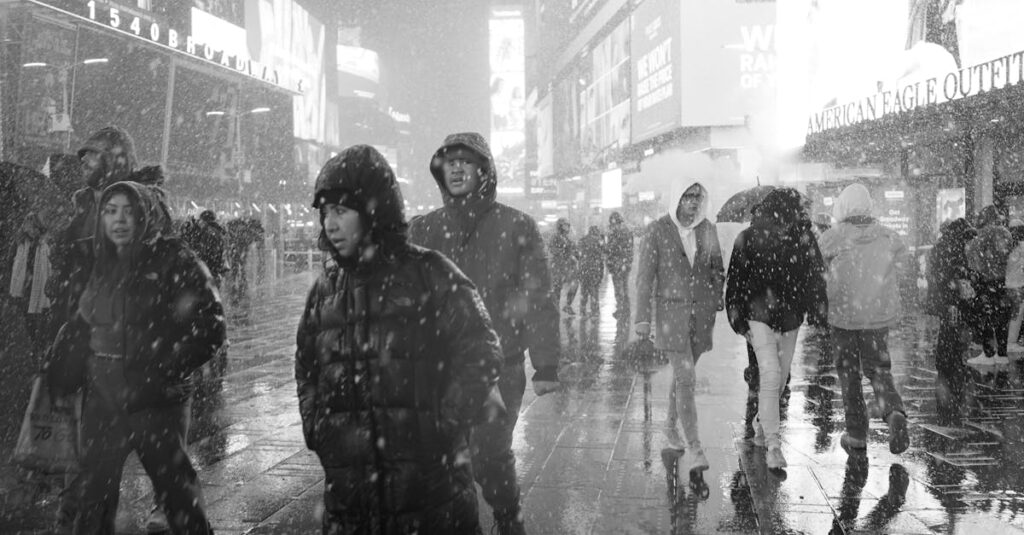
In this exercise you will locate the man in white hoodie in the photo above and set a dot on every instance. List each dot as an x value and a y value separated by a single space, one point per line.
864 260
680 276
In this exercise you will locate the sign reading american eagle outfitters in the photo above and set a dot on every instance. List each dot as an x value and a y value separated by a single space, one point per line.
995 74
129 22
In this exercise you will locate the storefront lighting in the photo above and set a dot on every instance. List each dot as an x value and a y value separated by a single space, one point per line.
34 64
194 205
215 113
257 208
261 109
827 201
649 151
272 208
94 61
894 195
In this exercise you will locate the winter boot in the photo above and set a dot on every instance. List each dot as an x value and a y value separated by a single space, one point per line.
509 522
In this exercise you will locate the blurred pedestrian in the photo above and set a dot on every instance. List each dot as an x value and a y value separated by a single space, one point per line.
775 281
209 240
564 265
395 359
864 262
680 277
500 249
620 261
950 297
1015 286
592 259
987 256
150 317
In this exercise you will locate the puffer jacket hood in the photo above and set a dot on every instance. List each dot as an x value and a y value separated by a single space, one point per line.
153 217
854 201
361 177
676 195
563 226
475 142
116 149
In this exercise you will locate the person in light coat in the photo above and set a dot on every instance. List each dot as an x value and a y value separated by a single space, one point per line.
679 290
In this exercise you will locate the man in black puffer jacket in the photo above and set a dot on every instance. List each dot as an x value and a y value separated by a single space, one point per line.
396 357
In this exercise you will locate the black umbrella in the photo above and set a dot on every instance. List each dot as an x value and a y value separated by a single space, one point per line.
737 208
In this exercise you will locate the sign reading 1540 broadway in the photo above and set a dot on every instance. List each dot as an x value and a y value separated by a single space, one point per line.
150 30
996 74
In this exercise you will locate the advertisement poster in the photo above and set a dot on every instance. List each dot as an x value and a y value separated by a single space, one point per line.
950 204
545 138
508 95
656 76
605 102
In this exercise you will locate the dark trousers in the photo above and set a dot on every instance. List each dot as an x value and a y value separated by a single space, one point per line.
993 315
588 293
109 434
952 374
557 282
620 281
494 465
867 351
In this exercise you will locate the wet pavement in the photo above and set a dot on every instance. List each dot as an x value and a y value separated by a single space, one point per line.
591 458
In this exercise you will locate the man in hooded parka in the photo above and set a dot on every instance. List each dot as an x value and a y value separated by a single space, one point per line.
564 265
500 249
395 358
679 286
864 260
620 261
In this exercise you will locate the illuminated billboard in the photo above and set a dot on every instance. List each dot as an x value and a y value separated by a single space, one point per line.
656 76
508 96
604 102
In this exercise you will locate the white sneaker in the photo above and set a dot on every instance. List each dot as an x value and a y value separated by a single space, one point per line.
1001 359
982 360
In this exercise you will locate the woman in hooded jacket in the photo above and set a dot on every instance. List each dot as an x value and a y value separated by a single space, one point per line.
395 359
950 297
776 278
679 287
149 317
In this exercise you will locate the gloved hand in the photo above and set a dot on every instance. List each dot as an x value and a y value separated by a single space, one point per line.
545 381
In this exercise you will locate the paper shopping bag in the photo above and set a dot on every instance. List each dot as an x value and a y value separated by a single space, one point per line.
48 441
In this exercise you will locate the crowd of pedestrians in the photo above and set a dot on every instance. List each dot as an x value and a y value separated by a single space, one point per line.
410 361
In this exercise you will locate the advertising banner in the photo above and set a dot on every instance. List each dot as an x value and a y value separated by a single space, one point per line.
656 75
545 138
605 102
508 95
566 118
728 61
283 34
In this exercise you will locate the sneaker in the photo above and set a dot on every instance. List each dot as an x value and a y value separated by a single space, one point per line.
1001 359
157 522
982 360
852 445
899 437
774 459
675 441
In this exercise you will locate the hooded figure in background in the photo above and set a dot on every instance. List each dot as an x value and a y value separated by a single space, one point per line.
592 258
987 256
564 265
502 252
395 359
950 296
148 318
620 261
864 262
679 287
775 281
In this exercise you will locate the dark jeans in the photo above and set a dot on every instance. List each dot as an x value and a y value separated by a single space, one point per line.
557 282
494 465
864 350
620 281
952 379
993 316
109 434
588 293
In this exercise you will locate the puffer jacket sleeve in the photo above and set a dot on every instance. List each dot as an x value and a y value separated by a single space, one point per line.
816 296
464 327
541 314
737 288
307 368
646 274
197 313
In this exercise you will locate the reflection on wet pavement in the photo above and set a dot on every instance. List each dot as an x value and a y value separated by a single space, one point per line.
591 458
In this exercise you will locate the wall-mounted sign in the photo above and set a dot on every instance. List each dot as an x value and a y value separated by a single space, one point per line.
170 38
656 76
